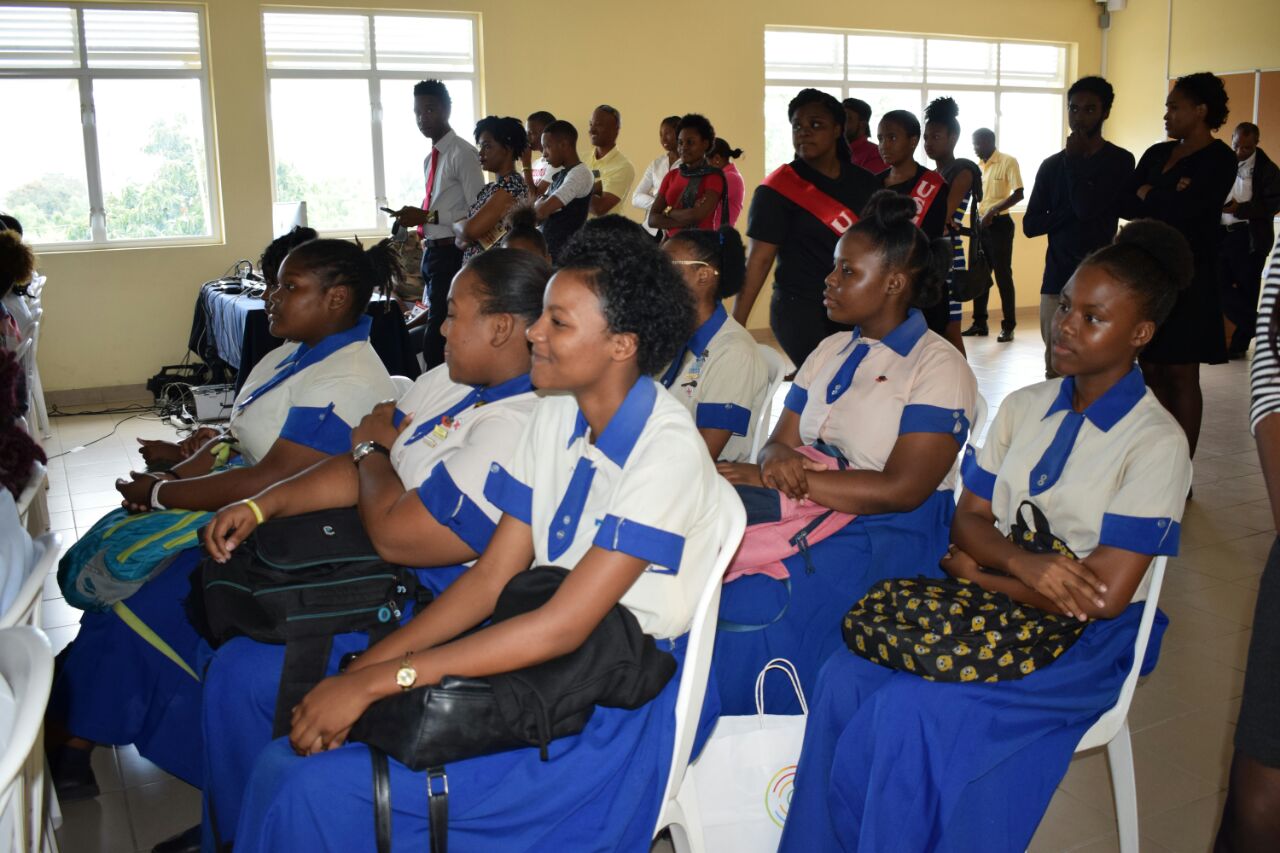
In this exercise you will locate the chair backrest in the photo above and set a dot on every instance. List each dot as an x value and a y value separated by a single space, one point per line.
1109 724
32 488
777 370
25 609
702 638
26 665
402 385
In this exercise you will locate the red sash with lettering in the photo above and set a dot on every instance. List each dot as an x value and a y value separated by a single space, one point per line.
831 213
925 193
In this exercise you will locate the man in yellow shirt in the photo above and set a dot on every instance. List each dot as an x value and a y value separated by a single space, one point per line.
613 171
1001 190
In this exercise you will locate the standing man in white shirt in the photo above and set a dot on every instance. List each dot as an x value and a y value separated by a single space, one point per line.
453 180
613 172
1247 234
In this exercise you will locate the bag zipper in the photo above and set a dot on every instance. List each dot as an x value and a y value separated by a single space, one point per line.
389 607
290 587
147 540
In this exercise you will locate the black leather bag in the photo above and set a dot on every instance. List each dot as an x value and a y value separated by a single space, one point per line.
967 284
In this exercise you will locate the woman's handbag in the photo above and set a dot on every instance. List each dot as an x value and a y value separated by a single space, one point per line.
953 630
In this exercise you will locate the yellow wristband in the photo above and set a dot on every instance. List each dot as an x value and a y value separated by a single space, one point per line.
257 510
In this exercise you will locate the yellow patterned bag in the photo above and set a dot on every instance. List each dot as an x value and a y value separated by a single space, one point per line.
947 629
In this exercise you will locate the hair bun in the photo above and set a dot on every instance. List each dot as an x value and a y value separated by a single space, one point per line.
1166 246
522 216
889 209
942 109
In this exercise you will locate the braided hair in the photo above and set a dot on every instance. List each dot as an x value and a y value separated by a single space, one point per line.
887 223
339 263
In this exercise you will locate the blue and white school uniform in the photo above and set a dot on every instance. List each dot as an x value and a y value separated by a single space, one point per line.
646 487
458 432
891 761
856 395
116 688
721 379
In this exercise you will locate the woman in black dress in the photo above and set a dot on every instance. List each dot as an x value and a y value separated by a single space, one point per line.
1183 182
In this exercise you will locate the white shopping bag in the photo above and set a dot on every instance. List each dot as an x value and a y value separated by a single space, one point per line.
746 774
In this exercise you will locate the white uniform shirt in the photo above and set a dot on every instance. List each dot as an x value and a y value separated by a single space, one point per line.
912 381
651 493
456 434
457 182
316 395
1242 189
1121 482
647 190
721 379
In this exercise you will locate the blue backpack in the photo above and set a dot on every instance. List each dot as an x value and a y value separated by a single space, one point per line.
122 551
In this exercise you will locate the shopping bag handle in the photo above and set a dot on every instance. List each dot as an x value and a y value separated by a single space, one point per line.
789 669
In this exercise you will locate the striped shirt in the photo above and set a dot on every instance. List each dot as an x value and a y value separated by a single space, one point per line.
1264 374
957 251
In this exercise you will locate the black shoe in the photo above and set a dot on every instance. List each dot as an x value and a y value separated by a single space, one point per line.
187 841
72 773
975 331
1006 335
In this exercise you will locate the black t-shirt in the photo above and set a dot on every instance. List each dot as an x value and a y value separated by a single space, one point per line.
566 221
938 312
805 244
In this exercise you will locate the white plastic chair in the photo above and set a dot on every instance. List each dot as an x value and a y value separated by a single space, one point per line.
26 665
979 417
25 609
1112 728
777 371
34 386
679 810
32 503
402 385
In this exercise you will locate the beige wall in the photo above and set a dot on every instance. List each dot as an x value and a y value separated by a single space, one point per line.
116 315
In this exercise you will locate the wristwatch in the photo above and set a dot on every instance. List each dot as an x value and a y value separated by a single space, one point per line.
406 675
364 448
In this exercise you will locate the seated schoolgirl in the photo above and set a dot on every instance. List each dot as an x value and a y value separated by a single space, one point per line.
163 455
892 402
295 410
611 481
1093 461
419 489
718 375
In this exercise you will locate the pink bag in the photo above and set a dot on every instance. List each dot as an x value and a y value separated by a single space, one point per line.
801 524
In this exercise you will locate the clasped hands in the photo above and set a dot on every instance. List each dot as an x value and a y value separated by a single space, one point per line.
780 468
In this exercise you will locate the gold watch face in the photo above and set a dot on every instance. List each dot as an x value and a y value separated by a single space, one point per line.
406 676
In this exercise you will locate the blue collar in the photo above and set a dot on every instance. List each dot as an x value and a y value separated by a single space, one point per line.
1106 411
521 384
477 396
305 356
905 335
624 428
696 344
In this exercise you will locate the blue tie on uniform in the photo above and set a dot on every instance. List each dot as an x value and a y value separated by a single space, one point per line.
565 524
429 424
844 376
673 371
1049 468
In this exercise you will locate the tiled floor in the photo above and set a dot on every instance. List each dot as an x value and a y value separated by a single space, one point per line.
1183 716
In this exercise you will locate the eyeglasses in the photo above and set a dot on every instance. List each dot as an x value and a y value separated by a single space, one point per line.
696 264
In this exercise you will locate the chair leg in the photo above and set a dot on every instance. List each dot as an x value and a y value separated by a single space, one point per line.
42 413
1124 788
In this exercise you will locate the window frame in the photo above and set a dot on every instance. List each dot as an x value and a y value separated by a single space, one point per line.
84 77
849 87
373 77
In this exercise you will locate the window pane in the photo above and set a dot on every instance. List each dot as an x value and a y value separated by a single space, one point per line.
977 109
295 40
36 37
404 148
116 38
151 149
952 61
423 44
49 193
888 58
777 127
1030 130
335 179
1033 65
806 56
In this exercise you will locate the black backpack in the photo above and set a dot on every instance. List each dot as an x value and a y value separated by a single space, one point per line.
299 581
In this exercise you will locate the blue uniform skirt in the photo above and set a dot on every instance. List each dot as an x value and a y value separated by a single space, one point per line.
114 687
240 689
838 572
600 791
894 762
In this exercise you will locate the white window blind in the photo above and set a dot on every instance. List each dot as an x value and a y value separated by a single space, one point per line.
38 37
318 42
117 38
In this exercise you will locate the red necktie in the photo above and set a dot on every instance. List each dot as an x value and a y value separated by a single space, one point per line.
431 179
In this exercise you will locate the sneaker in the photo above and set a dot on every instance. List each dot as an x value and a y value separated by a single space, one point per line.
975 331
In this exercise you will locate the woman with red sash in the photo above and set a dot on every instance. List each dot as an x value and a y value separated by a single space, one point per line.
796 217
899 134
